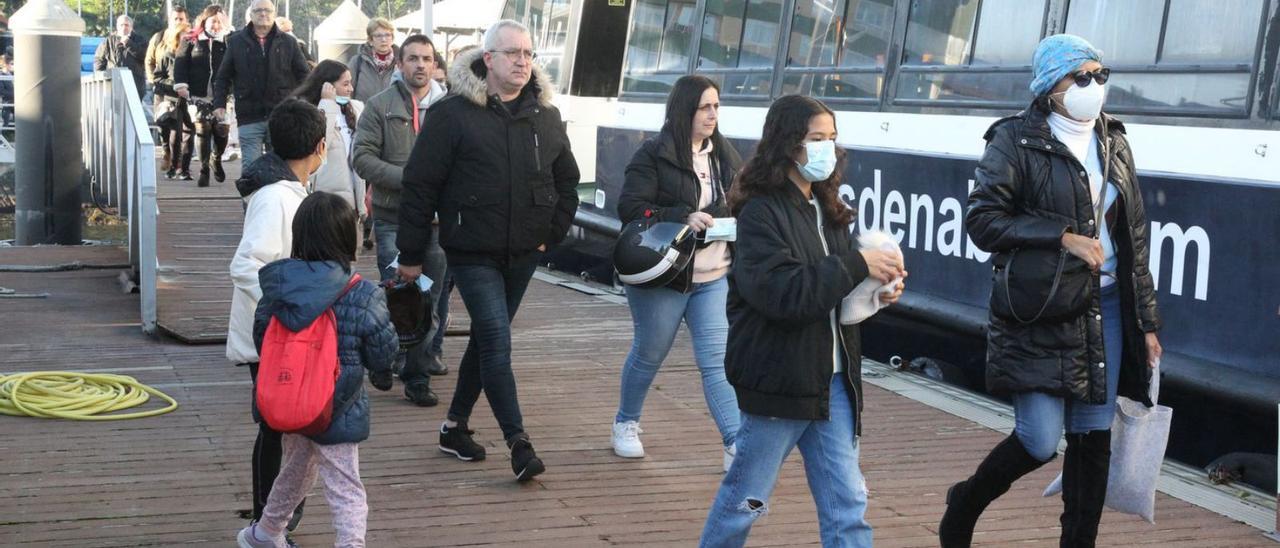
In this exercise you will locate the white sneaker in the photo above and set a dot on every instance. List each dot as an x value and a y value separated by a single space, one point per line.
626 440
730 451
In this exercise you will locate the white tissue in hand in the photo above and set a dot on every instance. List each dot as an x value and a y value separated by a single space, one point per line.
864 301
725 229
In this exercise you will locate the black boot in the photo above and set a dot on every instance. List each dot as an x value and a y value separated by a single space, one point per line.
204 176
1085 466
966 500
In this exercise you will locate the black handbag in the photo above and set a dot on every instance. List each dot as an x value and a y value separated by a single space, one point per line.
1049 285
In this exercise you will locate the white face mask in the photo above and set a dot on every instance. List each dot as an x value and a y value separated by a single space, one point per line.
324 158
821 160
1085 103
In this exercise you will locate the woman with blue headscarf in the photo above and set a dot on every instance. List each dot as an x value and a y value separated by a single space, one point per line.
1057 181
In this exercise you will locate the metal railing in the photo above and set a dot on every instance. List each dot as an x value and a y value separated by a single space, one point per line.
120 158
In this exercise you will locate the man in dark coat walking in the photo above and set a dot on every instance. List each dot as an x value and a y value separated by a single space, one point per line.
262 66
125 49
493 161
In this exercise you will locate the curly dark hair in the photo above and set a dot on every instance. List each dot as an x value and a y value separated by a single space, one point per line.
768 170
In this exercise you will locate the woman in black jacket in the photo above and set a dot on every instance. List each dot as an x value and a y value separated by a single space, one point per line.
1060 176
681 175
175 120
194 67
796 369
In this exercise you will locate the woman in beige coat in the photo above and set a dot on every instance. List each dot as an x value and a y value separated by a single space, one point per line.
329 88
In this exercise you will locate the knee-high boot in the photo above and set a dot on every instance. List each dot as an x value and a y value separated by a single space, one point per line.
1085 466
966 500
220 133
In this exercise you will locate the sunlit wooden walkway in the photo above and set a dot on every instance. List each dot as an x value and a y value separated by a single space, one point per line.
183 478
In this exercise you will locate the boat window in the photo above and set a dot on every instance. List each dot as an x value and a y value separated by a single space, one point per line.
657 50
548 23
970 51
1193 57
837 48
739 43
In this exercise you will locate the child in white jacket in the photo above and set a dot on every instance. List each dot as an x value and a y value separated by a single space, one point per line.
274 185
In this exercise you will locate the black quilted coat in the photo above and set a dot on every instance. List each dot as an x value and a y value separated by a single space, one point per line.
1031 190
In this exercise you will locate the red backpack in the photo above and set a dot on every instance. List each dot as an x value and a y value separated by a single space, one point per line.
297 373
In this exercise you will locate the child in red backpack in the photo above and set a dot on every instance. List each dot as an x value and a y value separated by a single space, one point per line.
297 291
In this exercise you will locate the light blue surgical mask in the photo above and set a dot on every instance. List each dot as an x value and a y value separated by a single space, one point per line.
342 100
822 160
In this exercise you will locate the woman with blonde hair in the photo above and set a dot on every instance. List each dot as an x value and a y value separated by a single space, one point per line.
171 115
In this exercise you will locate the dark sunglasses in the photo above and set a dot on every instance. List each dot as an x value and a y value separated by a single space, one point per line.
1100 76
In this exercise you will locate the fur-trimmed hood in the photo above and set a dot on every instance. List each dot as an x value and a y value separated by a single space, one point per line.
467 78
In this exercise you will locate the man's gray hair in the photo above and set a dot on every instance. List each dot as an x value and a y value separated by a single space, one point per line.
124 19
491 35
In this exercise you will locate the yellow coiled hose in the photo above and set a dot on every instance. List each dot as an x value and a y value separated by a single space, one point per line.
77 396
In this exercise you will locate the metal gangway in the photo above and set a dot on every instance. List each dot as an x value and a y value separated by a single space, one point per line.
120 162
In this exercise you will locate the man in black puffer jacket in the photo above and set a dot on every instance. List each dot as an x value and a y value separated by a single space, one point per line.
494 162
263 65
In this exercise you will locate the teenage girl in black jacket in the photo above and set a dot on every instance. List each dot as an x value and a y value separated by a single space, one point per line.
795 368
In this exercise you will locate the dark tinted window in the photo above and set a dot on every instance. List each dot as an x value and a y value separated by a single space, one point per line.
659 43
852 33
970 51
1203 66
740 34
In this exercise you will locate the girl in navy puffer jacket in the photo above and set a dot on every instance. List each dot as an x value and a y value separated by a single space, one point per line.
296 291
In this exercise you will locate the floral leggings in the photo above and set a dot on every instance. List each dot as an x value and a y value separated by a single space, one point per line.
338 467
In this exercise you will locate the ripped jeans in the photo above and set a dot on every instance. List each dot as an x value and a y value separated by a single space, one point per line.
830 451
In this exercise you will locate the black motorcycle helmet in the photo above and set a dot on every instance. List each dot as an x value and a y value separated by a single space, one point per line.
649 254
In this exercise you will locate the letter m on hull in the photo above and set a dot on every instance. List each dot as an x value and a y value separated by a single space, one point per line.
1180 239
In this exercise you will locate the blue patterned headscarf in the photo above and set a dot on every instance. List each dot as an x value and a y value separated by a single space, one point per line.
1057 56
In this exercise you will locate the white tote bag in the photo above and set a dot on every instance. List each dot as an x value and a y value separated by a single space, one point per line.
1139 435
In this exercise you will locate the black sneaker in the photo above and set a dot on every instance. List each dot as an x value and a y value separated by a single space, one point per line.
457 441
420 394
185 176
436 367
524 461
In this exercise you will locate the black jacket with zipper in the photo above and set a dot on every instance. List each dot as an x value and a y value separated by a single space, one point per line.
197 63
661 187
1031 190
502 181
261 77
782 290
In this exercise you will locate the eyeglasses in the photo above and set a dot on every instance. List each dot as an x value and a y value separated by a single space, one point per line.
262 10
383 36
1100 76
516 54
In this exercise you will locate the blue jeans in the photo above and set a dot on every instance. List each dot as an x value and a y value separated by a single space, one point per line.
1040 418
492 295
830 450
656 313
254 142
442 314
384 234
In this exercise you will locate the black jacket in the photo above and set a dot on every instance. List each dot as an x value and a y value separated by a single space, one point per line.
260 80
197 63
1031 189
162 80
782 290
131 55
659 186
267 169
503 183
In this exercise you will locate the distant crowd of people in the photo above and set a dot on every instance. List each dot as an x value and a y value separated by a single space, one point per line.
465 176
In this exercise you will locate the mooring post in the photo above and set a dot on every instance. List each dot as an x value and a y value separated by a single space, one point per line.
48 162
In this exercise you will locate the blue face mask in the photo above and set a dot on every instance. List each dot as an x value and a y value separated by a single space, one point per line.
342 100
822 161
